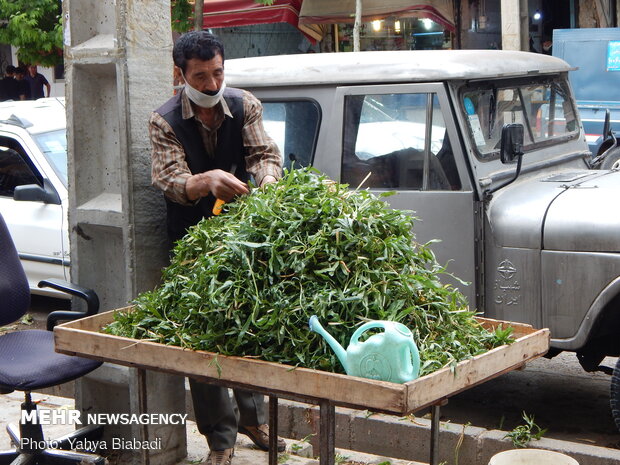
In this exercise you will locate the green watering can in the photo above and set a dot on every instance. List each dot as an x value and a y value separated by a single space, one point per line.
391 355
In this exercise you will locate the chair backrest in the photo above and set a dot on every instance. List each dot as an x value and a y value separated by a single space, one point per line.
14 289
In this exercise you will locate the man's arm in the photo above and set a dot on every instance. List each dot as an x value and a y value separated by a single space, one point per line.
169 170
170 173
268 179
44 81
263 160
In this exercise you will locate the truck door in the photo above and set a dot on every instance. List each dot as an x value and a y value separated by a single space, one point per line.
36 227
403 138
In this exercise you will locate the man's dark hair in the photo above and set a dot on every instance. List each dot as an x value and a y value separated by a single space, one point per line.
20 70
196 44
10 69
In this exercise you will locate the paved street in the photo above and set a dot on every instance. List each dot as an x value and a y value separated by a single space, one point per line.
573 405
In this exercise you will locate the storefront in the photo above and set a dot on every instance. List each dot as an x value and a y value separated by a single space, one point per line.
386 24
394 33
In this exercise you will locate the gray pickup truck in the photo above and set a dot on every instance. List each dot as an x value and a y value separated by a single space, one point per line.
488 149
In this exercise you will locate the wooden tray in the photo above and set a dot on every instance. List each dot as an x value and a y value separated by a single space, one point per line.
82 337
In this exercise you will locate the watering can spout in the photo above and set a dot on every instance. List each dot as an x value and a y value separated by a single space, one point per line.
333 343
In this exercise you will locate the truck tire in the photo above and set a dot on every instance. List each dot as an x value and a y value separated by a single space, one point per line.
611 160
615 394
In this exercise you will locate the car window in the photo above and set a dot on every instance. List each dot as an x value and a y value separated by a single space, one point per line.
294 126
544 109
400 139
53 144
14 171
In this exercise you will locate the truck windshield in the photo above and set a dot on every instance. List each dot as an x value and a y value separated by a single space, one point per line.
544 109
53 144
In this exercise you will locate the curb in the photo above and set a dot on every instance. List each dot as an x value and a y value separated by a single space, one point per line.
408 438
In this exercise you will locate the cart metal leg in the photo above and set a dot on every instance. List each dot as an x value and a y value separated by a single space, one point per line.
327 433
143 408
435 434
273 430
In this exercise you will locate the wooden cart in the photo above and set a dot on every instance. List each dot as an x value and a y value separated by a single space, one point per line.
328 390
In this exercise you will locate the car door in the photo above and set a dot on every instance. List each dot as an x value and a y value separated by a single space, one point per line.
36 226
403 138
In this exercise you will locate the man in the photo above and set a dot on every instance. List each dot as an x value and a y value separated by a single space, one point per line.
23 88
206 141
37 81
8 85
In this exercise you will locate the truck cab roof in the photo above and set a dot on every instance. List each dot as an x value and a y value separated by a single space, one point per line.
392 66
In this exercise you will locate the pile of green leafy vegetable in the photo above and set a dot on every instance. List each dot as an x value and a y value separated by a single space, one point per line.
246 282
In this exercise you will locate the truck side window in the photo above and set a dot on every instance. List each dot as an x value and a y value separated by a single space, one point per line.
294 126
14 171
387 136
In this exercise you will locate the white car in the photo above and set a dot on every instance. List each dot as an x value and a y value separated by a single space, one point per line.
33 186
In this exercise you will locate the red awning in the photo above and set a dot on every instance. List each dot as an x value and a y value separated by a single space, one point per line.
229 13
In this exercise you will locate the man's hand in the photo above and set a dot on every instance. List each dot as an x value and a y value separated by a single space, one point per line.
267 179
221 184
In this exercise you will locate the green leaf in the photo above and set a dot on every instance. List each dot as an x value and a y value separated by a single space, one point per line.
523 434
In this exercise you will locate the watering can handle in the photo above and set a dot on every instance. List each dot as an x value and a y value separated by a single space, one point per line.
415 358
365 327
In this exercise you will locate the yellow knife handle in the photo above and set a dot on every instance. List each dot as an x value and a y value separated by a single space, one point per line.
217 208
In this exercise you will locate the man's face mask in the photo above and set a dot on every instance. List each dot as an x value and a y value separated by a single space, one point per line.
202 99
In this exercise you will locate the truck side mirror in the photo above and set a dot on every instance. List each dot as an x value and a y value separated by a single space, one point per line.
512 143
35 193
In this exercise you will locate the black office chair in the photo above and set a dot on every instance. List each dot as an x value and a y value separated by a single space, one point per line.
28 362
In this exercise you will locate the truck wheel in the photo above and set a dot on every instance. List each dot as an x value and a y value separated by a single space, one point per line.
615 394
611 160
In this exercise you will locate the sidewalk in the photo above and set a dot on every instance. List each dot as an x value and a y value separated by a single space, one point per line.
245 452
376 433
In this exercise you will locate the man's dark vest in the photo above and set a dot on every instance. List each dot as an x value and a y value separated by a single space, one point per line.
229 150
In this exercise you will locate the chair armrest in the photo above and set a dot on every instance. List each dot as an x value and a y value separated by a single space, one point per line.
91 298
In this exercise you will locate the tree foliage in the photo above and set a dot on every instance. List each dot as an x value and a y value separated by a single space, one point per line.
182 14
35 27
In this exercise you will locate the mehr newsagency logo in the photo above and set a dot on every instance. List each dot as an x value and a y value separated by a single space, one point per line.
75 417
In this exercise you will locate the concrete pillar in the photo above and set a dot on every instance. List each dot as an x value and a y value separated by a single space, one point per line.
515 34
118 69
